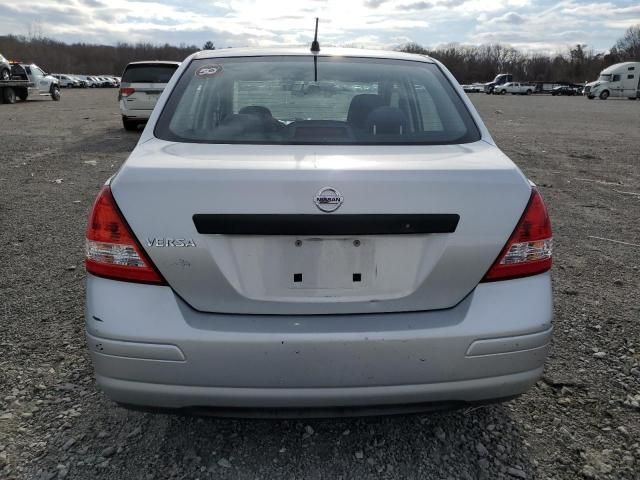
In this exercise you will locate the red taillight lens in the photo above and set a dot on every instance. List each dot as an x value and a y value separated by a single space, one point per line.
126 91
111 249
529 249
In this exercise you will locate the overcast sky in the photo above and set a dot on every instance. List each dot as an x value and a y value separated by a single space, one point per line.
530 24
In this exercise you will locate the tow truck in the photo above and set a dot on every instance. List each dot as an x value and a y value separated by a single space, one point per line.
500 79
28 79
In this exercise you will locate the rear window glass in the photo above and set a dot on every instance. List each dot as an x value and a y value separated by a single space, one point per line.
142 73
294 100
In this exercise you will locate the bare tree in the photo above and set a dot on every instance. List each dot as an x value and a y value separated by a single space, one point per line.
628 47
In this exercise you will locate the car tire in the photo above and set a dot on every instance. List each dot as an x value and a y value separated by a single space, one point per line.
604 95
503 92
9 95
529 92
129 125
55 93
5 74
23 94
591 97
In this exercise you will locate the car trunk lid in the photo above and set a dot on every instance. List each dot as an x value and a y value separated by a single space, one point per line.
237 229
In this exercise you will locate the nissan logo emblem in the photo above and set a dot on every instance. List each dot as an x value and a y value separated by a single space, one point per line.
328 199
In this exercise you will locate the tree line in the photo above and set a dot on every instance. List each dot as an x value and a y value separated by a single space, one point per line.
83 58
579 64
468 63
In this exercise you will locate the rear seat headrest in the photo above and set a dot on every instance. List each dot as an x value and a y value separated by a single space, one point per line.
256 110
387 121
360 108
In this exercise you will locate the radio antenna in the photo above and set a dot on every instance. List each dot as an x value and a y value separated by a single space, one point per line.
315 46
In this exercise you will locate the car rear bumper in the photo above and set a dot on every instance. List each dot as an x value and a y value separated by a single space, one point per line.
151 349
131 114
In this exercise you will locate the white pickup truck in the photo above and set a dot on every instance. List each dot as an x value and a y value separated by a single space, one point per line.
514 88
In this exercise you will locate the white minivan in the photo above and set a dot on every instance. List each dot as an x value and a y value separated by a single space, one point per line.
141 86
619 80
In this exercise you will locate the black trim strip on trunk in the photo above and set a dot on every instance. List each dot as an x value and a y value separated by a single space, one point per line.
325 224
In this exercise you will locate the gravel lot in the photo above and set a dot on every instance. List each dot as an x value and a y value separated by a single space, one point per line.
581 420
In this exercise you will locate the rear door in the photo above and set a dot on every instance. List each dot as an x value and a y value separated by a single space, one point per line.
148 81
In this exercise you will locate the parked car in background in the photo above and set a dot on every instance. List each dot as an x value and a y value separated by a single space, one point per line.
564 90
514 88
473 88
111 82
5 68
89 80
102 82
142 84
500 79
66 81
41 83
82 83
619 80
259 249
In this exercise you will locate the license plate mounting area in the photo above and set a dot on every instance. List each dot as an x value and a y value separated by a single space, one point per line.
328 263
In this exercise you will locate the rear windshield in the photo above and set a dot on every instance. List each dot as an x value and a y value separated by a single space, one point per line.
146 73
332 100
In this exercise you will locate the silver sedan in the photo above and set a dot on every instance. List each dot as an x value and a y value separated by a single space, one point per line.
327 232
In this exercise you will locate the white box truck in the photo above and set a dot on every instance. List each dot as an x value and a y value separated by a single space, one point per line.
619 80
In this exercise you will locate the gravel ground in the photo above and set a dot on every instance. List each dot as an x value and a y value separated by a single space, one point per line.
581 420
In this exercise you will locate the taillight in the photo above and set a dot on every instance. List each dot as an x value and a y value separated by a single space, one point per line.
112 251
528 251
126 91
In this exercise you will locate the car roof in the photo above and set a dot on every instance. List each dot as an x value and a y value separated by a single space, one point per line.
304 51
152 62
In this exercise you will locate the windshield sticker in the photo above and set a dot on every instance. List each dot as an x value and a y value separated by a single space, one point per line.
209 71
